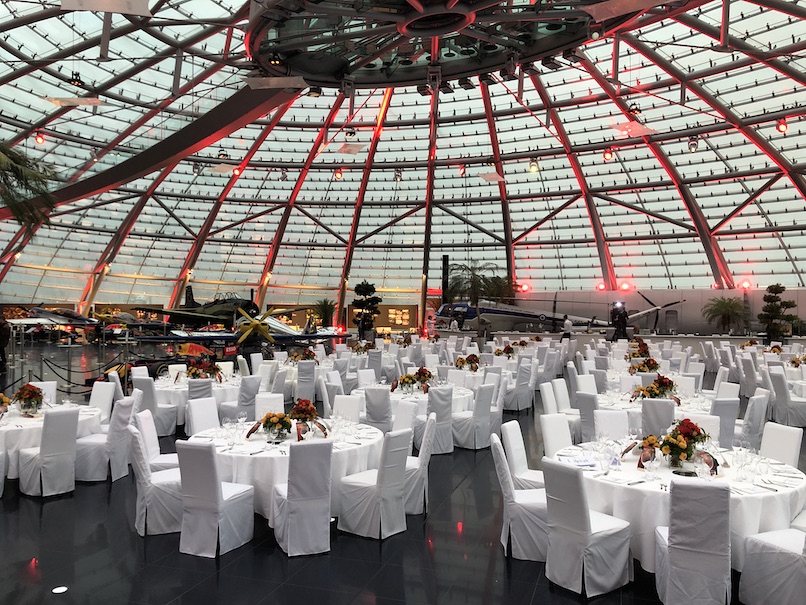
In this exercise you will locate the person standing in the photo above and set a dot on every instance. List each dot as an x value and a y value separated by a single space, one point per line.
5 338
568 325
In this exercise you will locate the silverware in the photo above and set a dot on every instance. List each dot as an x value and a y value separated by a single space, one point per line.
772 489
637 482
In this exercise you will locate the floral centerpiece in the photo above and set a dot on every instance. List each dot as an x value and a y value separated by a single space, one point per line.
4 402
363 348
661 387
507 350
423 375
648 365
679 444
537 338
407 381
203 368
29 399
774 349
473 361
276 423
750 343
796 361
304 410
305 355
522 343
461 362
642 350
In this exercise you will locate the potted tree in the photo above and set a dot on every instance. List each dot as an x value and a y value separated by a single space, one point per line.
774 314
24 188
725 313
367 304
324 309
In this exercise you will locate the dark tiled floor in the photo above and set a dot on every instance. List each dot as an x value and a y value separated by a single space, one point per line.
86 541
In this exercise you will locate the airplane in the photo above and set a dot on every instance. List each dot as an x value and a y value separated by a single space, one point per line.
222 310
498 317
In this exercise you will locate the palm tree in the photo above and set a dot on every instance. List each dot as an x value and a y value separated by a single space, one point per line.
469 280
24 188
725 312
324 310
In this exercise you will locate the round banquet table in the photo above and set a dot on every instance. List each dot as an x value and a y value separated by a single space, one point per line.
462 399
176 393
755 506
18 433
262 465
616 400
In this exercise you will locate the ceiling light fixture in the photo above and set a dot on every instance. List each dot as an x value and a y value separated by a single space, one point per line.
533 167
283 174
529 69
487 79
398 175
338 175
635 109
76 79
39 138
424 89
570 55
197 168
222 154
693 143
551 63
782 126
349 132
446 88
466 83
237 171
608 154
275 59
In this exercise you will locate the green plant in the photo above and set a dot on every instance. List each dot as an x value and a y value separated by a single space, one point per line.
324 309
774 314
725 312
24 188
367 304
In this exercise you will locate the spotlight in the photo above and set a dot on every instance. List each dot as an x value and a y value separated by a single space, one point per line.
782 126
507 75
608 154
571 55
489 162
197 168
94 155
635 109
76 79
424 89
446 88
274 59
466 83
487 79
693 144
601 287
533 167
283 174
524 287
222 154
39 138
236 171
746 284
398 175
315 91
551 63
625 286
349 133
338 175
529 69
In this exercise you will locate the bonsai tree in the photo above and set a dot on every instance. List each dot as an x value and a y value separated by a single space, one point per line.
24 188
324 309
774 314
367 305
725 312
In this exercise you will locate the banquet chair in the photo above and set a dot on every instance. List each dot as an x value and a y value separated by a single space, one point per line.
550 407
556 434
442 372
692 554
50 469
721 377
174 369
588 551
431 361
774 568
750 377
657 415
300 512
101 397
281 356
749 430
114 378
629 382
611 424
519 398
347 379
203 414
255 359
243 367
374 363
144 422
372 503
215 515
49 391
686 386
306 380
319 351
227 369
139 372
525 524
200 387
572 373
159 495
415 480
708 423
404 417
378 405
100 454
587 404
781 443
440 400
278 384
324 397
586 383
787 409
456 377
728 412
250 385
347 407
266 371
472 428
522 476
268 402
366 377
696 369
164 413
647 378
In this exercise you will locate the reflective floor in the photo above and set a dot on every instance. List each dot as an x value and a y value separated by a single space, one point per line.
86 542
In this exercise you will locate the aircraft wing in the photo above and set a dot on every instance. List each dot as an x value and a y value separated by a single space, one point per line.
32 321
187 316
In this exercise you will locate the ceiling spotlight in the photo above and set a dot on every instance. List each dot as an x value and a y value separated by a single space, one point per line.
466 83
487 79
625 286
507 74
283 174
338 175
601 287
571 55
39 137
446 88
222 154
635 109
551 63
94 155
398 175
76 79
608 154
237 171
489 162
274 59
315 91
693 143
529 69
782 126
533 167
197 168
424 89
349 132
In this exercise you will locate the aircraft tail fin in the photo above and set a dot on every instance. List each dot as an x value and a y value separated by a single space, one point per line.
190 302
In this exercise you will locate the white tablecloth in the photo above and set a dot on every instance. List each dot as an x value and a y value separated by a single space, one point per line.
263 466
18 433
177 393
462 399
615 400
753 509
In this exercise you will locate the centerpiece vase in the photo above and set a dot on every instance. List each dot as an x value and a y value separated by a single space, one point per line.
675 461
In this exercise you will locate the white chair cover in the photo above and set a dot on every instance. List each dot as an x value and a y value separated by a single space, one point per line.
415 489
520 398
379 408
159 495
611 424
547 398
774 568
366 377
266 371
692 554
255 360
587 404
215 514
306 380
243 367
227 369
781 443
139 372
98 453
347 407
440 400
404 417
728 412
686 386
324 396
456 377
102 396
51 469
372 503
586 548
199 388
787 409
556 434
751 427
49 391
708 423
278 384
113 377
268 402
144 422
522 476
471 428
525 522
174 369
301 507
164 413
657 416
250 385
203 414
374 363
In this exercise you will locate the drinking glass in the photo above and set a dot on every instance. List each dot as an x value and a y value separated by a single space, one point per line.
651 467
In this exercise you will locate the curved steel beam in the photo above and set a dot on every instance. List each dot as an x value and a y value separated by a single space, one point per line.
429 203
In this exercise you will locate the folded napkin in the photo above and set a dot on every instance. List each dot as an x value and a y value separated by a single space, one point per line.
248 448
580 461
618 479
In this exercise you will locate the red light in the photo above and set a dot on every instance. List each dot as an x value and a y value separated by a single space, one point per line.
746 284
459 527
782 126
338 174
524 287
461 170
236 171
608 154
600 287
39 138
625 286
68 328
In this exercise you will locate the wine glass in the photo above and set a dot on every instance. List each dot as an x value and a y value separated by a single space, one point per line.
241 420
651 467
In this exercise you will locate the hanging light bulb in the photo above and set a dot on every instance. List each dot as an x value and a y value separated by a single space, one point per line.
608 154
349 133
39 138
338 175
398 175
782 126
533 167
693 144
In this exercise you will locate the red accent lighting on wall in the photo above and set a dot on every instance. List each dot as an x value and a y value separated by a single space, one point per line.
601 287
